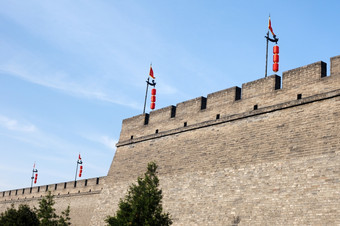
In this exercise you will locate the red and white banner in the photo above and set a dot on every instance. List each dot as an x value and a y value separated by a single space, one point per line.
270 27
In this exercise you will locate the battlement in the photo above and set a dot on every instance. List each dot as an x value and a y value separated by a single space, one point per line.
92 185
335 65
304 75
267 152
261 86
297 83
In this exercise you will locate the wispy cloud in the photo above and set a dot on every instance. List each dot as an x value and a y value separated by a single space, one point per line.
28 133
111 61
102 139
15 125
99 62
97 168
108 142
60 81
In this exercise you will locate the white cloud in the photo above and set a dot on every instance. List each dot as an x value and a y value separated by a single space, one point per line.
102 139
107 141
61 82
109 64
72 35
12 124
100 171
167 89
26 132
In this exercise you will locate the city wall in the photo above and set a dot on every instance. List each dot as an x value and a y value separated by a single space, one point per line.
268 153
307 81
80 196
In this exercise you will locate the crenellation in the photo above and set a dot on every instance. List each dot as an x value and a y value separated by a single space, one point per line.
59 188
203 103
189 107
131 125
146 119
156 120
274 165
335 65
308 80
224 97
173 111
269 156
261 86
81 199
304 75
163 114
189 111
220 103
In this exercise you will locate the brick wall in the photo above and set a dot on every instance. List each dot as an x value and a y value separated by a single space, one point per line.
267 153
80 196
307 80
275 166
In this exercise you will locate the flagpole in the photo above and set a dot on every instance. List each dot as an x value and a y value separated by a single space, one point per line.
33 171
265 75
147 86
75 178
146 94
78 162
32 178
274 39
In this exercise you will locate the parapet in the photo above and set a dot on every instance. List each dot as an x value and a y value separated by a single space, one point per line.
297 83
191 106
91 185
304 75
225 96
261 86
335 65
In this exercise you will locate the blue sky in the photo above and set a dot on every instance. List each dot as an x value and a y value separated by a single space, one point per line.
71 71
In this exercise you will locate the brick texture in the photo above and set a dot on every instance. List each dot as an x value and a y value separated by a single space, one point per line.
278 164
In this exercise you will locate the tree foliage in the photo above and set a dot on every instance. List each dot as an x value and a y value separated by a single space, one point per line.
23 216
46 213
143 203
64 218
44 216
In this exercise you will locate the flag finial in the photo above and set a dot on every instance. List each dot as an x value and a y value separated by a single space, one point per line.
151 72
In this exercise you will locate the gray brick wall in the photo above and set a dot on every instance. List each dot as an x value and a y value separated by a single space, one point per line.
276 165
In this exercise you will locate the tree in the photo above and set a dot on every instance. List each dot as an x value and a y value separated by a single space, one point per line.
46 213
143 203
64 218
24 216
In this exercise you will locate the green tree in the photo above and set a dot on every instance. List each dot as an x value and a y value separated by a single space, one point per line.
143 203
64 218
46 213
24 216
